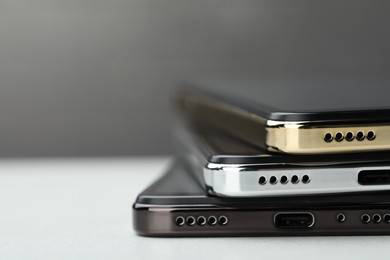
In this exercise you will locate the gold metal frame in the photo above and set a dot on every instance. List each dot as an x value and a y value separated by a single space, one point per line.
298 138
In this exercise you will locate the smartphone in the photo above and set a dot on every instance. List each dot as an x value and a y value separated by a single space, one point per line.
176 205
228 167
295 115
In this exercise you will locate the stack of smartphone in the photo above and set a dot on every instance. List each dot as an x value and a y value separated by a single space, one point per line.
275 157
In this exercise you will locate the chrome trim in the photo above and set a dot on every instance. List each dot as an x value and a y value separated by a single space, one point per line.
242 180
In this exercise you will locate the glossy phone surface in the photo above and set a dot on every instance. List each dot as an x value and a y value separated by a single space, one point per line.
231 168
306 97
176 205
305 115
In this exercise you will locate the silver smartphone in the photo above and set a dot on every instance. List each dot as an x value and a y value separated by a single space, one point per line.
228 167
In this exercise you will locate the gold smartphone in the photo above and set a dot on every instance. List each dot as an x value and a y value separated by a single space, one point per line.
305 115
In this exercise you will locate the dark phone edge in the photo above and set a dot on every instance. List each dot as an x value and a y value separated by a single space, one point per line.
154 215
270 113
162 222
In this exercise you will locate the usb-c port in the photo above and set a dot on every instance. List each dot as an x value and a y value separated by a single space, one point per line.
374 177
294 220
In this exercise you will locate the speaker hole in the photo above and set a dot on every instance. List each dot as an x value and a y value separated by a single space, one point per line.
370 135
212 220
340 217
273 180
339 137
223 220
294 179
349 136
201 220
262 180
305 179
180 221
386 218
283 179
328 137
365 218
376 218
191 221
360 136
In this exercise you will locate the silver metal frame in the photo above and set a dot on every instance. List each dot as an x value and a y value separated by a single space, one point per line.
243 180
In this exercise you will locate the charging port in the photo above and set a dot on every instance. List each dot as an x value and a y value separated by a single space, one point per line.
294 220
374 177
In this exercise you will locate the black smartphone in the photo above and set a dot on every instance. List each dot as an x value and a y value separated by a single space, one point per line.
295 115
177 205
228 167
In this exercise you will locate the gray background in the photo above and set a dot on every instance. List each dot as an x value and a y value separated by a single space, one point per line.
92 77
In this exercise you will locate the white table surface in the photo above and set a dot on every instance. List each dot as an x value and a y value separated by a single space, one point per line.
81 209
